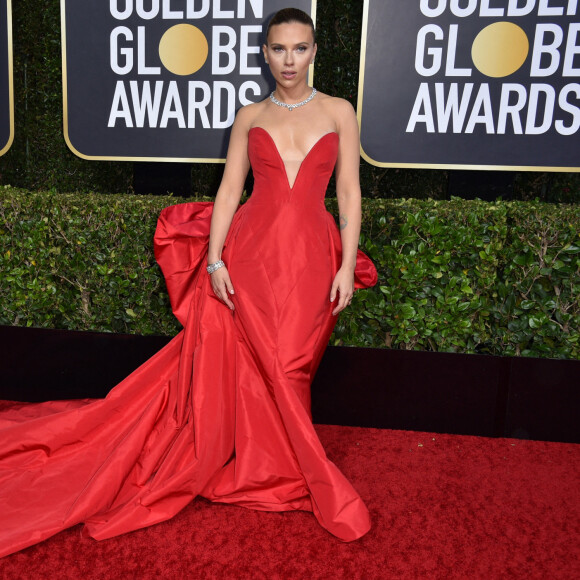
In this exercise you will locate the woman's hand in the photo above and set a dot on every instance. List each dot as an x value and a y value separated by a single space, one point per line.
222 286
343 285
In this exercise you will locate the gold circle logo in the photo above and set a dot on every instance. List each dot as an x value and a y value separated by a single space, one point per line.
183 49
500 49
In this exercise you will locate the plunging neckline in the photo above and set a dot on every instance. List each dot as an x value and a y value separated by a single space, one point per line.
291 186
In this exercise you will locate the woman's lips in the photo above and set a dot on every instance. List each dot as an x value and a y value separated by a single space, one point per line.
288 74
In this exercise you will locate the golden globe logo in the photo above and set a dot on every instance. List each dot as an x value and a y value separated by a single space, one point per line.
183 50
161 80
499 50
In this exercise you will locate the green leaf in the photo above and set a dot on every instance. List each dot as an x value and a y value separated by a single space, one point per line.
407 311
571 249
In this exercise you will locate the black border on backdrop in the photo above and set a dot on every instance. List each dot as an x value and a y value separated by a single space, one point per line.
10 85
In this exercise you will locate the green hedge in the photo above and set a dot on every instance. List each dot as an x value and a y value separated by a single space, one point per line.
471 277
39 158
458 276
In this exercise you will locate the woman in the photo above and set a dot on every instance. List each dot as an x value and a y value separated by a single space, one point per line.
289 51
223 411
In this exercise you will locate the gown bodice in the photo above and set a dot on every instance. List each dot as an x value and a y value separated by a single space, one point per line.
270 177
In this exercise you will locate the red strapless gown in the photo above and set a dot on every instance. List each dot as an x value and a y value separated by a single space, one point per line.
223 411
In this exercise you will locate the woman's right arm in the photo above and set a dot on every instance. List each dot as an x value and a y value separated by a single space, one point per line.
227 201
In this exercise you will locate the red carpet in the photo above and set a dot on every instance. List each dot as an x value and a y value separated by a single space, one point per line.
443 506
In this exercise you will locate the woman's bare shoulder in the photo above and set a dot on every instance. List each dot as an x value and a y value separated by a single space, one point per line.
335 103
248 114
339 109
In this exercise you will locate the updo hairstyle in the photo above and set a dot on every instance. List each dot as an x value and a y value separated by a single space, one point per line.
288 15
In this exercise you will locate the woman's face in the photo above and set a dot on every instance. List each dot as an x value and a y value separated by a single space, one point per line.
289 51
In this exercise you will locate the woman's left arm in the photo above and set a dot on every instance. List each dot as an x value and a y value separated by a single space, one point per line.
349 202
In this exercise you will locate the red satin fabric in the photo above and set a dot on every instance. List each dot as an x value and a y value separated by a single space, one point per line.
223 411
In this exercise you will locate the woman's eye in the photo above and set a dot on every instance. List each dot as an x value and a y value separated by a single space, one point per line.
301 49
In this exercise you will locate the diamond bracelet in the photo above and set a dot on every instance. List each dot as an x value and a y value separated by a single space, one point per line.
211 268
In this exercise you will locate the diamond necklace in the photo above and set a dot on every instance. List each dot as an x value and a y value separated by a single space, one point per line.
293 106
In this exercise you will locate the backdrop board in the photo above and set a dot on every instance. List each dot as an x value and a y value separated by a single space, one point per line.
161 80
6 86
472 84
